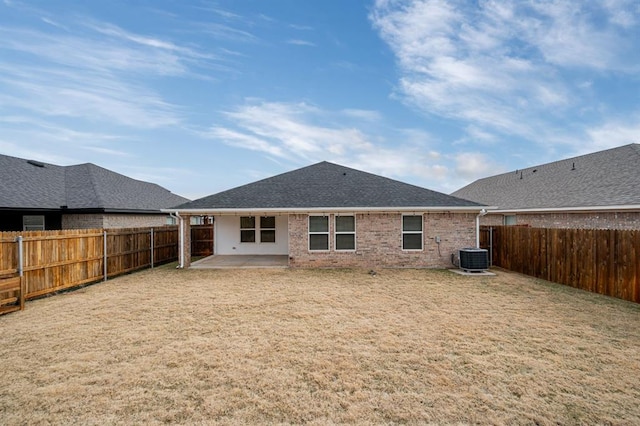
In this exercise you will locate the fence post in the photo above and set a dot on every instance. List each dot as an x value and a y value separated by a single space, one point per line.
491 246
104 248
23 289
152 246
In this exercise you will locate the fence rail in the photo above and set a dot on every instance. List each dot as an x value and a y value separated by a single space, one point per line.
56 260
604 261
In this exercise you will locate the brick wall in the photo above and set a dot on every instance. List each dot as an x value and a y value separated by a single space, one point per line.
492 220
601 220
90 221
82 221
379 242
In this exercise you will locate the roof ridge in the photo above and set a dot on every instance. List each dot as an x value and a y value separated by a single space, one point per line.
91 181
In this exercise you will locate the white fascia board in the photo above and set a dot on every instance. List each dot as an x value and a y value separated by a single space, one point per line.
632 207
221 212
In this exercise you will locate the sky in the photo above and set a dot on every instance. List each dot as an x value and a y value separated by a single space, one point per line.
201 96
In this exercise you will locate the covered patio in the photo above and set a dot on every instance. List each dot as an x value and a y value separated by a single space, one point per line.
242 261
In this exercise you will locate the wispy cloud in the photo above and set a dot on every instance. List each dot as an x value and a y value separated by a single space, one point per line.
507 67
96 71
299 133
299 42
301 27
363 114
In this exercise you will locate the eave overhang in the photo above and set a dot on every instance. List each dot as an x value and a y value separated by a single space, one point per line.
320 210
582 209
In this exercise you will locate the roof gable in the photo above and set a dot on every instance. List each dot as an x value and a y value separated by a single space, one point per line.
326 185
605 178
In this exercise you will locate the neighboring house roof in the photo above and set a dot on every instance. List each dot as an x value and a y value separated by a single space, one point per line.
27 184
609 179
327 186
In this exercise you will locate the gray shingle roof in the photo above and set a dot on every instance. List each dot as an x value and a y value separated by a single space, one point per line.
604 178
326 185
26 185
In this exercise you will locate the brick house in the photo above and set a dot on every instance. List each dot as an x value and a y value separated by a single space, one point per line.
600 190
41 196
327 215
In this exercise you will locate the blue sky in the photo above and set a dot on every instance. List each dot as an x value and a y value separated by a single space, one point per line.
202 96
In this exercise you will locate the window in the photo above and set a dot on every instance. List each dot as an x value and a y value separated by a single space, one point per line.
247 229
268 229
510 220
33 223
412 232
318 232
345 233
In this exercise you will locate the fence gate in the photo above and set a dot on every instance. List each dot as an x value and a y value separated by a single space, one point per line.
12 290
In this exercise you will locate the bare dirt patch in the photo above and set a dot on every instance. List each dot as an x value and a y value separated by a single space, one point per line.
322 346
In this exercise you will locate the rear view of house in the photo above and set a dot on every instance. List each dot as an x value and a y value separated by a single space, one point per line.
41 196
327 215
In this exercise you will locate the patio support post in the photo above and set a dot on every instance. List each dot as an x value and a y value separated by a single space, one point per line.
186 241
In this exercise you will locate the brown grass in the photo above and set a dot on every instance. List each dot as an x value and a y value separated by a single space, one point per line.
326 346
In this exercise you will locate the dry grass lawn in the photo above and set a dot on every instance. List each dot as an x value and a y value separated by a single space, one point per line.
323 346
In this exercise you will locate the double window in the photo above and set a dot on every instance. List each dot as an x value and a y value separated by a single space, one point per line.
412 232
344 233
248 229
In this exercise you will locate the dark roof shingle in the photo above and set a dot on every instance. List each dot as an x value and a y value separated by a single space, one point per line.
326 185
28 184
605 178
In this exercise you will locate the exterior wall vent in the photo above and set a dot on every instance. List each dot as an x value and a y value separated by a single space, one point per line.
35 163
474 259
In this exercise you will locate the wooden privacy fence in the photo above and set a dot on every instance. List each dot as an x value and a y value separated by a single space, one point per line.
43 262
604 261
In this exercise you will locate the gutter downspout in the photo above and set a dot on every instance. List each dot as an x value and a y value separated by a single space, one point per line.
482 213
180 239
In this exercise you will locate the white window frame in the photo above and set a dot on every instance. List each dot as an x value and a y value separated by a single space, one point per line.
336 232
421 232
309 233
509 217
33 226
260 229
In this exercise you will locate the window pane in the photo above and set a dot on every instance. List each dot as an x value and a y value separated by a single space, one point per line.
412 242
318 224
345 224
267 236
268 222
345 242
319 242
247 222
248 236
412 223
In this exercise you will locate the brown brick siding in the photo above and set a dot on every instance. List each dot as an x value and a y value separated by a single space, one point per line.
379 242
596 220
107 221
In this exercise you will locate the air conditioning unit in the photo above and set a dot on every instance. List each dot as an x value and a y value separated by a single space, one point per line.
474 259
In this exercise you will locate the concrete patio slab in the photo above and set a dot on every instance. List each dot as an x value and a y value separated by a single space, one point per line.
242 261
